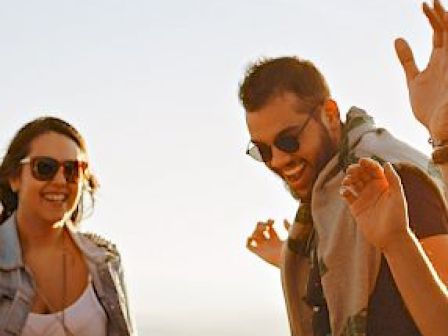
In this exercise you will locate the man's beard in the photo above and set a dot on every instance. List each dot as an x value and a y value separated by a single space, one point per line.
329 149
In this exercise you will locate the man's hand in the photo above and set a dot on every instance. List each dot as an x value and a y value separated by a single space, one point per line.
265 243
376 200
428 89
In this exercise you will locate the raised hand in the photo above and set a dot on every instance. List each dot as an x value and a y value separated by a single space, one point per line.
376 200
265 242
428 89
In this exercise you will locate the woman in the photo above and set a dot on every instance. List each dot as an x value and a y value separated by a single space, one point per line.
54 280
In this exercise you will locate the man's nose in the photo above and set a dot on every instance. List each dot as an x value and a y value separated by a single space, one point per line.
279 158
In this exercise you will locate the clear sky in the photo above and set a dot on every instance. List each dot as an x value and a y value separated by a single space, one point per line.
153 86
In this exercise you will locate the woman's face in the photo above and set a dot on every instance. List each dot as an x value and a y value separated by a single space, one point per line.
54 199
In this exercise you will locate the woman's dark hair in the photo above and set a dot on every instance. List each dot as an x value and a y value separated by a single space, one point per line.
19 148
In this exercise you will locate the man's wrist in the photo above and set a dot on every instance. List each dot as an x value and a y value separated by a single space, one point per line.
397 245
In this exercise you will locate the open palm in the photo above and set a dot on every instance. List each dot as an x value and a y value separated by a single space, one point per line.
376 200
428 89
265 242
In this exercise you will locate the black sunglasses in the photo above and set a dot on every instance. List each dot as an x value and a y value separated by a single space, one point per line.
287 141
44 168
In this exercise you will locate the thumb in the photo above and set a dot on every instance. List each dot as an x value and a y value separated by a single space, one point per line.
392 177
406 58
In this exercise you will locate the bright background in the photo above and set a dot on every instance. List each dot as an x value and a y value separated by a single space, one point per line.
153 85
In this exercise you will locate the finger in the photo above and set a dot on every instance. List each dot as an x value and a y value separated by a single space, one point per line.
372 167
445 25
438 9
261 226
251 244
348 194
436 24
357 187
364 175
406 58
263 230
258 232
352 184
441 13
269 223
443 17
286 224
347 180
353 168
271 230
358 171
357 174
392 178
258 228
270 233
259 236
266 234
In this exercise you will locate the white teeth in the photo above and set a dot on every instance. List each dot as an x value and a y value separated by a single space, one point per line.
295 171
55 197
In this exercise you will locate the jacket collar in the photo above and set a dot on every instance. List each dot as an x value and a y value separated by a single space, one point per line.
358 123
11 251
91 251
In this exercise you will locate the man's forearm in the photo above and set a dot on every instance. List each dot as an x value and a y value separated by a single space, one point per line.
423 293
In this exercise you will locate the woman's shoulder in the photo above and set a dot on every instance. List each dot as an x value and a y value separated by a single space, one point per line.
101 242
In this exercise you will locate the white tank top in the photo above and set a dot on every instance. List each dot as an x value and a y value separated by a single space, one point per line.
85 317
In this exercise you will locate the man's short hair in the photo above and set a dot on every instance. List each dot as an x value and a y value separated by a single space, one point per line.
269 77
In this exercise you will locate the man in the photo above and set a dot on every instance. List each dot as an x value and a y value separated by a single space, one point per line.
334 281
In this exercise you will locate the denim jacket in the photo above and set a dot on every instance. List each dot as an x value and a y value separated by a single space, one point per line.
17 288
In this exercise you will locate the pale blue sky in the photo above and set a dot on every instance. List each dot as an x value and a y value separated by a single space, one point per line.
153 87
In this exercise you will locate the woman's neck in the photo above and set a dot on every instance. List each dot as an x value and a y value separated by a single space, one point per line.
36 233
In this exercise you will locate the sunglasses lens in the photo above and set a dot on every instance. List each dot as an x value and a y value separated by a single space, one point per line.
288 144
45 169
71 171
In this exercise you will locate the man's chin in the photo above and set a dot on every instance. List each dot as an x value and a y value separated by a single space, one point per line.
298 194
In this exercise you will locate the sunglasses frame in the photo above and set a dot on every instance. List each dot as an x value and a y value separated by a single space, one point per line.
253 149
70 178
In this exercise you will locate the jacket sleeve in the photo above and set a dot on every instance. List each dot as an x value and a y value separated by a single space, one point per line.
123 286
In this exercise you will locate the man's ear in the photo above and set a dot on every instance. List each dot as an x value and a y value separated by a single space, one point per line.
331 120
330 115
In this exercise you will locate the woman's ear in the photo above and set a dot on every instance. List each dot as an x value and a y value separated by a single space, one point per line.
14 183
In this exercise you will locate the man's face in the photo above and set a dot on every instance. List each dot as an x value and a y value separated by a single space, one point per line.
299 169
